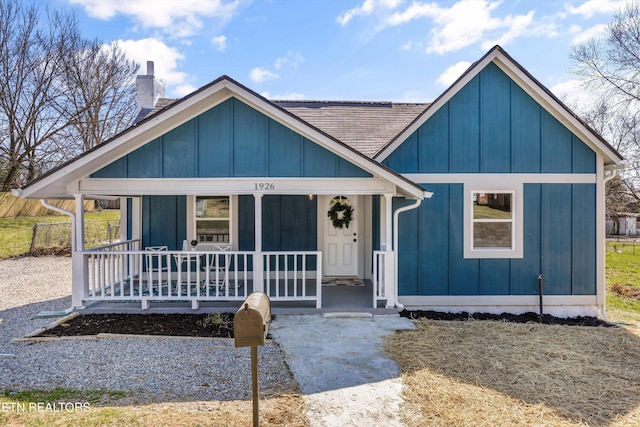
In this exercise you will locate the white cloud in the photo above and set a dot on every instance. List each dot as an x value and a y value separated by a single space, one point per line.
259 75
590 33
368 7
572 92
219 42
518 25
574 29
292 59
291 96
452 73
464 23
165 60
408 45
592 7
180 19
183 90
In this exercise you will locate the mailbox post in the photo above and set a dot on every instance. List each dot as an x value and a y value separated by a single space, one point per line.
250 328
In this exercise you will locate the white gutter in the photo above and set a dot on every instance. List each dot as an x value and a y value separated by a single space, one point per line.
396 214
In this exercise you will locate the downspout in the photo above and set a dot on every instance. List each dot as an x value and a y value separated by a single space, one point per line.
47 205
61 211
396 214
602 309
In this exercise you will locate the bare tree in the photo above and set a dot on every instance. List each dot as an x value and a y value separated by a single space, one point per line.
612 64
610 68
101 88
620 197
59 94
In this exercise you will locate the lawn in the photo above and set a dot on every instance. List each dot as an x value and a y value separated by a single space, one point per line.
16 233
489 373
483 373
109 408
623 280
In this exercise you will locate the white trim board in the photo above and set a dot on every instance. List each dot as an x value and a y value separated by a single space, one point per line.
226 186
499 179
497 300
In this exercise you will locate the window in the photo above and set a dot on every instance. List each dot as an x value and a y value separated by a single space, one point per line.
492 221
212 219
493 226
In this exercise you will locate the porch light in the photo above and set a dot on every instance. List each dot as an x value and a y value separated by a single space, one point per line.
311 197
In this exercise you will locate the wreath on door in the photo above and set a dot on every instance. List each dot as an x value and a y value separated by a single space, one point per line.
340 213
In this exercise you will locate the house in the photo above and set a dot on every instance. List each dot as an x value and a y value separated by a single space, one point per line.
467 203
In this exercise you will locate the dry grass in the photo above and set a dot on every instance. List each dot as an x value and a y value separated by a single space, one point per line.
280 410
481 373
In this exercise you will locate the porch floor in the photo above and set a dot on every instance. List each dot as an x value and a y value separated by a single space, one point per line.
334 299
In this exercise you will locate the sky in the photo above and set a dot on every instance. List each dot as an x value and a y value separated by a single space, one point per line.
364 50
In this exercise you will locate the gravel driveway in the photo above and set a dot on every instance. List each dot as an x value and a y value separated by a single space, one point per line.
159 370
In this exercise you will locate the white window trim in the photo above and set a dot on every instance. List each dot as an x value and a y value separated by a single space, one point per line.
233 217
490 185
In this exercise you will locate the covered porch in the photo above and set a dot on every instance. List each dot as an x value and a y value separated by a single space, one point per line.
223 266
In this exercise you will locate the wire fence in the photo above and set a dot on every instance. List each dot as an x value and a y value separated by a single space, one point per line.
56 236
623 246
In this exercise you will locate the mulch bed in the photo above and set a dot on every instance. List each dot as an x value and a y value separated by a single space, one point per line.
530 317
221 325
186 325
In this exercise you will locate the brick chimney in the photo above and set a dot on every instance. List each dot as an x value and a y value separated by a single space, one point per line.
149 89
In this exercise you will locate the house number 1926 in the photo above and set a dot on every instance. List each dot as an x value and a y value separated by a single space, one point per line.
265 186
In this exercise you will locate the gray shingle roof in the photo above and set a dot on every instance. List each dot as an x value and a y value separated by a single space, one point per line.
365 126
160 104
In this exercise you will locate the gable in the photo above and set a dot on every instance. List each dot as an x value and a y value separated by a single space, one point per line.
231 139
491 125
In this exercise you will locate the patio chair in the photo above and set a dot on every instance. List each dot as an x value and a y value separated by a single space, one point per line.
218 268
157 268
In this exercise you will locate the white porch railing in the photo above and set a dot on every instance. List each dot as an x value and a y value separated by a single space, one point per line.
122 272
127 245
383 276
287 275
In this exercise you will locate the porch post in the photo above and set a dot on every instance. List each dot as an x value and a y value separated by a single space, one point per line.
386 235
136 222
258 261
389 258
124 218
79 267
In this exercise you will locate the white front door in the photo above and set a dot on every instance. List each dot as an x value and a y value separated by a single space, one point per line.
340 257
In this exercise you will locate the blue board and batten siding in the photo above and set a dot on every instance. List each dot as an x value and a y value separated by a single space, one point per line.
492 126
486 130
233 140
559 242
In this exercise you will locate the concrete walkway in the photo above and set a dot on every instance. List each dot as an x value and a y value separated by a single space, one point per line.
337 360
